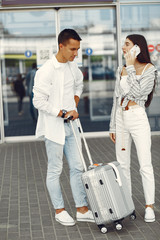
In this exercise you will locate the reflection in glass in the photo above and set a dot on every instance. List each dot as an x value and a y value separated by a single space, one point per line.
99 62
130 1
145 20
23 34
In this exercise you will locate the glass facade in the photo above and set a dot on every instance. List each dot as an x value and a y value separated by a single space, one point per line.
30 36
99 62
145 20
126 1
23 33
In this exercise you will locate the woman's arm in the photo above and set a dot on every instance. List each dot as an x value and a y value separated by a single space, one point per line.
112 127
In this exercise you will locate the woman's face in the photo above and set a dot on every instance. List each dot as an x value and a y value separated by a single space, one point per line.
128 44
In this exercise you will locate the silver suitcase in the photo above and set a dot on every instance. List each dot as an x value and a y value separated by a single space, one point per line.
106 189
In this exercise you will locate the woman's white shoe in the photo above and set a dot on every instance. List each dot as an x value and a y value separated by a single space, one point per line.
149 215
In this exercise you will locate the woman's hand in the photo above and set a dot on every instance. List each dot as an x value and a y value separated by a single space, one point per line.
130 58
113 137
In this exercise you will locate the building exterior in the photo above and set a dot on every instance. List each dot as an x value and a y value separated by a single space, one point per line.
28 34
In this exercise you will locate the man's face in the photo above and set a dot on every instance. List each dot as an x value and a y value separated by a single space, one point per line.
70 50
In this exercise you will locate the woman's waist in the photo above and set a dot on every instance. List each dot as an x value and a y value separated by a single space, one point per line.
129 107
121 109
130 103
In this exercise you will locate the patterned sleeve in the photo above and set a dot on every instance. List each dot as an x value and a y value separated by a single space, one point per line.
144 85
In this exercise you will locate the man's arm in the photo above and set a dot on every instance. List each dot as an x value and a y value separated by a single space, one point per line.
76 98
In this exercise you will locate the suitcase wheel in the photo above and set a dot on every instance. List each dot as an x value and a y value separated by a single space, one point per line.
133 216
119 226
102 228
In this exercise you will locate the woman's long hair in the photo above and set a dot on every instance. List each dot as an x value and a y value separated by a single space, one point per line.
143 57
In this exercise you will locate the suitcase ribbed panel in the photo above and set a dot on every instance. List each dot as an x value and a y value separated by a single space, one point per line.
106 198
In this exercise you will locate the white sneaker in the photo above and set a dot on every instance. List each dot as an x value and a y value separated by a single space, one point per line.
85 217
65 219
149 215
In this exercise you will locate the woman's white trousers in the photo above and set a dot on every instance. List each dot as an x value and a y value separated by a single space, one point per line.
133 124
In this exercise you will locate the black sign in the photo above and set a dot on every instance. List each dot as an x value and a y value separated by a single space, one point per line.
44 2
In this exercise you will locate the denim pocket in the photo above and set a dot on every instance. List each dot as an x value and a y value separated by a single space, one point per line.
140 113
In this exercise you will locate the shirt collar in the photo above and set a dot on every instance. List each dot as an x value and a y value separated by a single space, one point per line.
55 62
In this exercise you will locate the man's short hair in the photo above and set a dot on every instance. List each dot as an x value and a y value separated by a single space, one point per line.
67 34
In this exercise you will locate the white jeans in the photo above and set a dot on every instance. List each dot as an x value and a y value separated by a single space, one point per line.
133 124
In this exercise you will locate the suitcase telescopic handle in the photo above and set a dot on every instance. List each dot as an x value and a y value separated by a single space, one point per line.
79 149
85 142
118 178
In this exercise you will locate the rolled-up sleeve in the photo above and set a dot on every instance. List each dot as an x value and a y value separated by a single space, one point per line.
78 81
112 126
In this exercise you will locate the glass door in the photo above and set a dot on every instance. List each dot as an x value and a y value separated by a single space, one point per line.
27 38
144 19
1 112
97 28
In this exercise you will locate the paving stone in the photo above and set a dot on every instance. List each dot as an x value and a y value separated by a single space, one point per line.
26 212
13 236
126 238
37 234
25 238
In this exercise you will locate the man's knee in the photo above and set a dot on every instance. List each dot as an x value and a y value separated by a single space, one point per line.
77 168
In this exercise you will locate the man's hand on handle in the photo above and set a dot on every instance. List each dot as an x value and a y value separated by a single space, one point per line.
72 114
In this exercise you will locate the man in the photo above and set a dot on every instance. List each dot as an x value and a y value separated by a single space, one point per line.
57 89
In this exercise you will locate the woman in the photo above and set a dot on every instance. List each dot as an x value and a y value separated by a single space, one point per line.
134 88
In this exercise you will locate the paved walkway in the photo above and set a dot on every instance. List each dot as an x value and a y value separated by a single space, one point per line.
26 212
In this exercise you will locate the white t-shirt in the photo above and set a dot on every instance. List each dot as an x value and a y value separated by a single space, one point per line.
68 96
124 85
